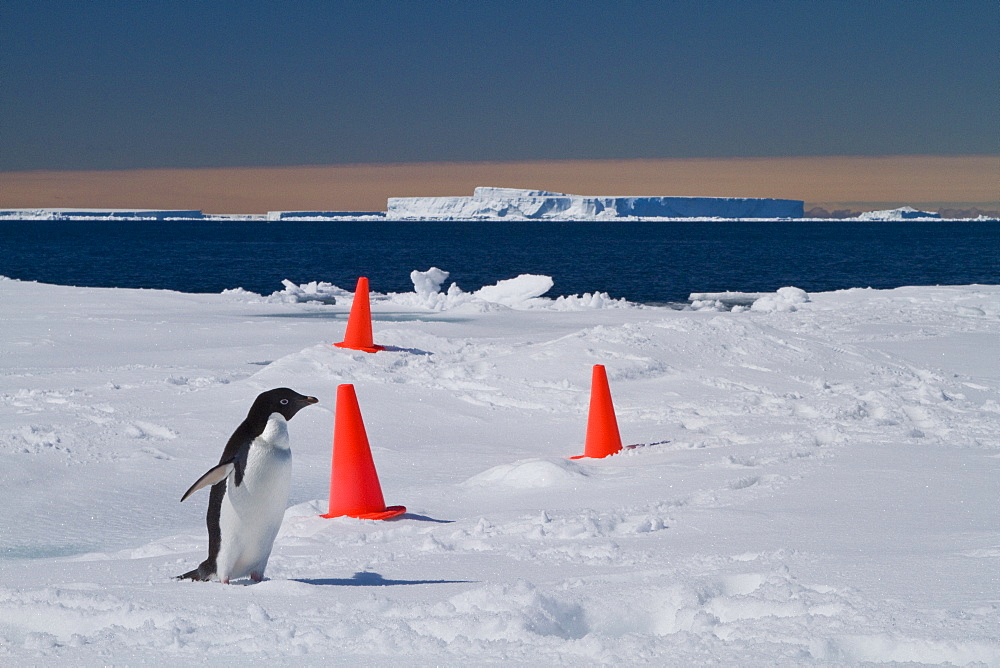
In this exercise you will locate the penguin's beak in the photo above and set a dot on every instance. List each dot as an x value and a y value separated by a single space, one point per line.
310 400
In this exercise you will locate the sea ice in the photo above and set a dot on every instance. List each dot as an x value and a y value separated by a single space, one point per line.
822 490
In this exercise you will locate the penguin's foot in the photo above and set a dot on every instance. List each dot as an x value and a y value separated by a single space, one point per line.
256 577
204 572
192 575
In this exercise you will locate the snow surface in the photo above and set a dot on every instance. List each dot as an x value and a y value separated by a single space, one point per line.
822 489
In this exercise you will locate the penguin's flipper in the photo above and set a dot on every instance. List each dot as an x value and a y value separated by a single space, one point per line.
215 475
239 463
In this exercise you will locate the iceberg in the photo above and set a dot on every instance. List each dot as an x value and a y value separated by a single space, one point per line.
902 213
322 215
489 203
101 214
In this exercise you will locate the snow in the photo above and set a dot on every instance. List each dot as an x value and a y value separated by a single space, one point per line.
817 483
490 203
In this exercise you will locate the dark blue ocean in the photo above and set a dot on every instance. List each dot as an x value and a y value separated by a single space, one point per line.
643 262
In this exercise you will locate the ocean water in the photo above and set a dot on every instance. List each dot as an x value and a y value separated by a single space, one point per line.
643 262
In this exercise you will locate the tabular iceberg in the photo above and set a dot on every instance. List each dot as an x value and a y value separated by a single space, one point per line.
903 213
101 214
516 204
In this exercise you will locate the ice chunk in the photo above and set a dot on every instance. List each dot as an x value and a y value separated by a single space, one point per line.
427 283
785 299
516 291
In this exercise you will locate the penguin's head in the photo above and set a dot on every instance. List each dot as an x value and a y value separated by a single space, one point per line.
282 400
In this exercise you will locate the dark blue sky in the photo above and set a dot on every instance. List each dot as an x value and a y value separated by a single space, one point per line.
110 85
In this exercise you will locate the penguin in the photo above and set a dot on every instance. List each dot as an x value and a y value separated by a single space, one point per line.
249 490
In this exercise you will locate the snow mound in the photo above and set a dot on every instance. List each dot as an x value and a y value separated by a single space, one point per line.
529 474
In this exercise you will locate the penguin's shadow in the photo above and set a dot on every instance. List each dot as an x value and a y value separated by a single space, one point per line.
368 579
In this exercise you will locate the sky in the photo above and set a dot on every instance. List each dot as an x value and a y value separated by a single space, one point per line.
962 186
131 85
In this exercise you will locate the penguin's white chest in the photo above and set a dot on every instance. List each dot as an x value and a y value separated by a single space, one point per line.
251 513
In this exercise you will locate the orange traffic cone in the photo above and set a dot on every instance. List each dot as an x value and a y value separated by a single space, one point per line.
603 438
359 323
354 487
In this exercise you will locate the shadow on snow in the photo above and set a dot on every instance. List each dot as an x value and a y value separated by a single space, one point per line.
368 579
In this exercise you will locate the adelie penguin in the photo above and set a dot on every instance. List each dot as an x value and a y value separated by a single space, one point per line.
249 490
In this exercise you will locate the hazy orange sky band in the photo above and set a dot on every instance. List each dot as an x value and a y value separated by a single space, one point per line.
857 183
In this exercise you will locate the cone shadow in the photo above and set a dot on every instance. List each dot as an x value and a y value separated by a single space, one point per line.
423 518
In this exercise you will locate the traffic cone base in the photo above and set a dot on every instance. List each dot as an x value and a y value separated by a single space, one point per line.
603 437
354 487
367 349
389 512
359 323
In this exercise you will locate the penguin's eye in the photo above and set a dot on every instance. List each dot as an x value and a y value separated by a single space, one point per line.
283 402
